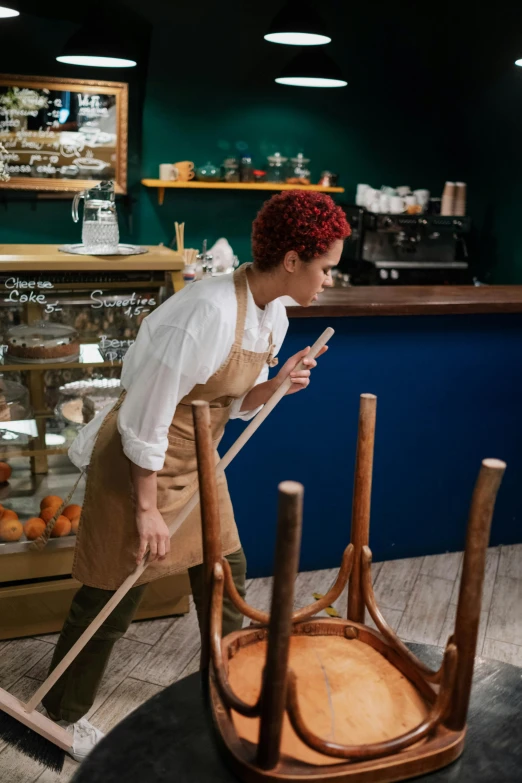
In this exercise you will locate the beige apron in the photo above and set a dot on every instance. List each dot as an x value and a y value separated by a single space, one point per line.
107 540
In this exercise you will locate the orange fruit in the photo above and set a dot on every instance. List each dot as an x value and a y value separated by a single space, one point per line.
75 523
11 530
5 472
8 514
33 528
48 513
62 527
50 500
72 511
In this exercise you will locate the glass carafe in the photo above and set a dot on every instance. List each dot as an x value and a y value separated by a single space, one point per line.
100 233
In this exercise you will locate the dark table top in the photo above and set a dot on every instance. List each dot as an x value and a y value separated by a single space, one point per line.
169 738
412 300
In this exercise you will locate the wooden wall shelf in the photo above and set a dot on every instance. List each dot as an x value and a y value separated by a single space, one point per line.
162 184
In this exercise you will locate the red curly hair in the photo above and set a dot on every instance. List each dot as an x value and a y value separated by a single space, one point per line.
300 220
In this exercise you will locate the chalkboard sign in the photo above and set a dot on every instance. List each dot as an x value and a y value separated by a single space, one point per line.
63 134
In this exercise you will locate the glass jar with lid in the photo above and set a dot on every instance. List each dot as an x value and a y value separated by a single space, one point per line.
230 169
299 171
276 168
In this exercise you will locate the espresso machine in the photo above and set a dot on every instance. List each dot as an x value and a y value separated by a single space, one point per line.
406 249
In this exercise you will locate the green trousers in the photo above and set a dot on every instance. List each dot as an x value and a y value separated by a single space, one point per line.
74 693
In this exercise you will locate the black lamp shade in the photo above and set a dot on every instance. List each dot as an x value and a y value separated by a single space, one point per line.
312 68
297 24
94 47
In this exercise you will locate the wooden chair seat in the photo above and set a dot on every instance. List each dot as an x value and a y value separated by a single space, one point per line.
296 698
348 692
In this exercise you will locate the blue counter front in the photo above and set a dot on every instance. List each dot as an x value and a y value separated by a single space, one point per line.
449 393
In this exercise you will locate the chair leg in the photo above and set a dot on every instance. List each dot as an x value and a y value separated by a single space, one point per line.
470 596
362 490
209 504
275 675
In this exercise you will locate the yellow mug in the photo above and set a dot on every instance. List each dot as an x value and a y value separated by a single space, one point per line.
185 170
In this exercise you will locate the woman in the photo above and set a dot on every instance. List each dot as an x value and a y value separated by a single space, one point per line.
214 340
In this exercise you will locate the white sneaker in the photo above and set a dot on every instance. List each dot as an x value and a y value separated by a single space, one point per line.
85 737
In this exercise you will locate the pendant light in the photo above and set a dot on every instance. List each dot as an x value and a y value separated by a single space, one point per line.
95 49
312 69
6 12
518 62
297 25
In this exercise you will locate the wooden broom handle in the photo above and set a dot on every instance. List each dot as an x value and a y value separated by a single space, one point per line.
124 588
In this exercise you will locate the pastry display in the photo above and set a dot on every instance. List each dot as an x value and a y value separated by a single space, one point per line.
94 403
66 523
14 401
90 385
11 529
5 472
81 400
34 528
71 410
42 342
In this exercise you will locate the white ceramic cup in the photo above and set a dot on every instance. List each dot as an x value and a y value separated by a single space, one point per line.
403 190
396 205
168 171
384 203
411 201
423 197
370 194
361 192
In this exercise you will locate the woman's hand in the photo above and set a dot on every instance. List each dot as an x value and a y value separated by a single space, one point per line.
300 378
154 535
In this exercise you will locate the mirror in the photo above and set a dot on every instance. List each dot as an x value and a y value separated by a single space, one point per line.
63 134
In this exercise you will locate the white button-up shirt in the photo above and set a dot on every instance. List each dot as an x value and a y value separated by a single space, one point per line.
179 345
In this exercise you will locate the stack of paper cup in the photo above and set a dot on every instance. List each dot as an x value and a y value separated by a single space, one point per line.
448 199
460 199
360 198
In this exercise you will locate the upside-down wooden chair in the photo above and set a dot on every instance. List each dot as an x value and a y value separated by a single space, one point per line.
295 697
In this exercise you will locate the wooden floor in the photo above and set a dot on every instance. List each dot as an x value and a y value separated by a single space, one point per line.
417 596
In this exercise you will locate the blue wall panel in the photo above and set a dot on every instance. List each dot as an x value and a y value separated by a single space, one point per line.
449 394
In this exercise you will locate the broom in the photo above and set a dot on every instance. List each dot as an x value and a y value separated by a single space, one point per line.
38 736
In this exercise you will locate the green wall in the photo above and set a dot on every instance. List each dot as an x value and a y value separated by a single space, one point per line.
494 123
197 104
205 83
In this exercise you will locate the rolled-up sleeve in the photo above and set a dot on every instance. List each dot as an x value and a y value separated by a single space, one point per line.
176 360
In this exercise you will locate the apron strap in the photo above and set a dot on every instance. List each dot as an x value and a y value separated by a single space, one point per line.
241 286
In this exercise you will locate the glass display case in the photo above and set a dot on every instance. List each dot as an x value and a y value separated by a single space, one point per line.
66 323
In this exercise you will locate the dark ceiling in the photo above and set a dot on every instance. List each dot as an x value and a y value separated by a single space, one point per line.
449 41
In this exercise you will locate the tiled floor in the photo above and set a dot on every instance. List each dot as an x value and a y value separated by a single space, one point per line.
417 596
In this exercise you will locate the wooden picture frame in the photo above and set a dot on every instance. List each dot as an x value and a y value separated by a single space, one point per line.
92 145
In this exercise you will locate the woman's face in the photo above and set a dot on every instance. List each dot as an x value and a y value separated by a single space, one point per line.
308 279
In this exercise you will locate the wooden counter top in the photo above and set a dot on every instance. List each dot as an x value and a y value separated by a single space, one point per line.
413 300
47 258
